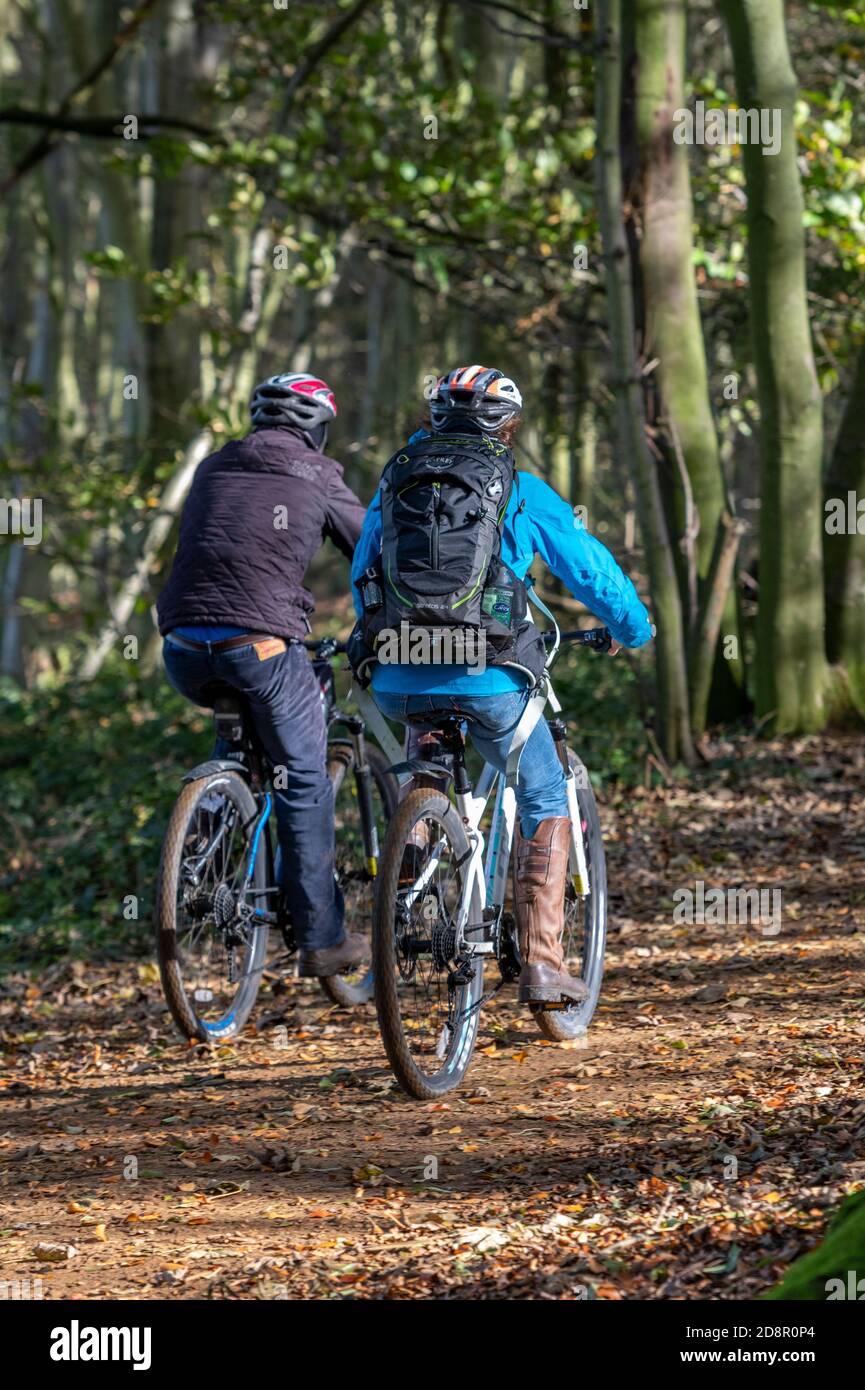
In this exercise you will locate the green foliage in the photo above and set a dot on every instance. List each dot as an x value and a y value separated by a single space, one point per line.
460 157
840 1256
600 700
89 777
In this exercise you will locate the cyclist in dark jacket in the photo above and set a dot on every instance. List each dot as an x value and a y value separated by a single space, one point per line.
235 608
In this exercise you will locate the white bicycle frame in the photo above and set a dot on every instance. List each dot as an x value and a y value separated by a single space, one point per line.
486 874
489 862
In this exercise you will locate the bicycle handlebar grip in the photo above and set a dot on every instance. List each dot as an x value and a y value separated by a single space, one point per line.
598 637
325 647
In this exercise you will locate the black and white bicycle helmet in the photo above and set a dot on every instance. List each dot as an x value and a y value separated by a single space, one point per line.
483 396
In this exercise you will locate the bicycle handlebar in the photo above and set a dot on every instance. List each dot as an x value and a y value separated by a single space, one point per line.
325 647
600 638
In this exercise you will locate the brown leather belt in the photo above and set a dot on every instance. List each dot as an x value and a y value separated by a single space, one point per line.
225 644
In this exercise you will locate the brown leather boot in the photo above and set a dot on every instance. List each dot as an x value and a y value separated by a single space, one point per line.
542 866
333 960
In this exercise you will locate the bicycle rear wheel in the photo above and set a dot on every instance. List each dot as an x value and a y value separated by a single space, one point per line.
355 875
585 922
427 998
210 959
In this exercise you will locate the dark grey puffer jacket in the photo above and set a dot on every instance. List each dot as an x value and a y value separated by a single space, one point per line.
256 513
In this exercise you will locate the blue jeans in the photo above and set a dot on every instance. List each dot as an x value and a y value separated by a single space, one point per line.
491 720
284 702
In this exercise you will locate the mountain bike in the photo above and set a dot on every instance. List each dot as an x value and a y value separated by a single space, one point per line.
218 894
440 903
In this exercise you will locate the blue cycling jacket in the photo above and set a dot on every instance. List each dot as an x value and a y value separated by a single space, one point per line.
537 522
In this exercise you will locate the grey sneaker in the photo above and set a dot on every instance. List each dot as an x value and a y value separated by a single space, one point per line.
332 960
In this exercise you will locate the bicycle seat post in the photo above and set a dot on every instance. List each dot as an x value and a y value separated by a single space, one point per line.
452 737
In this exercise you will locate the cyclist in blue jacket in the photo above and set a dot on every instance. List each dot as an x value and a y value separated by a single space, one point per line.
536 522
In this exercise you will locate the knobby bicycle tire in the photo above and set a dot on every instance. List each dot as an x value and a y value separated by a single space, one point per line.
341 762
412 1078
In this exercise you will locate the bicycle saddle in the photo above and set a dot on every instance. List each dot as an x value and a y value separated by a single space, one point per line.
439 719
420 767
229 709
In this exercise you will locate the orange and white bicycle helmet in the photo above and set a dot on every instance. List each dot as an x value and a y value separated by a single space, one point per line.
483 396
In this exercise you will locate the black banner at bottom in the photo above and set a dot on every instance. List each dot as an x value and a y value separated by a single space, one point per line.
171 1337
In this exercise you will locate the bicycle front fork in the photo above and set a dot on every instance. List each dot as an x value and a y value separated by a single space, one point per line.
356 730
578 866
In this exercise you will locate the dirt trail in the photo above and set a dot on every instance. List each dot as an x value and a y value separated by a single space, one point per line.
690 1149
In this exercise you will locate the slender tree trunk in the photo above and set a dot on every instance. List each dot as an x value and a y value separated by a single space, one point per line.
79 37
673 717
844 550
791 671
182 66
585 452
62 231
556 433
11 659
715 596
673 331
374 329
157 533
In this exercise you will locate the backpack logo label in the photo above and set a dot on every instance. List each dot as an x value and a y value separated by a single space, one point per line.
495 489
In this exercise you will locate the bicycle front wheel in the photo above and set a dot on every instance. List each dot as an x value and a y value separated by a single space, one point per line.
427 988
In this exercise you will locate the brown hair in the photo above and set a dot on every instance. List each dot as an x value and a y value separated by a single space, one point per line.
505 434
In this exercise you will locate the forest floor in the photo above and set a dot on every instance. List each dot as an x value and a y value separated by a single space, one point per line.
691 1147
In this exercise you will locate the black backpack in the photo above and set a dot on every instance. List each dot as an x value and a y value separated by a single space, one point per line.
443 500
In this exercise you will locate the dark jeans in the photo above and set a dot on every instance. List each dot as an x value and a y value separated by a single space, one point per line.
284 702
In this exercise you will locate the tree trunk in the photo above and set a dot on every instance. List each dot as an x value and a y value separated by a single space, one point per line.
673 331
844 553
585 454
183 52
556 431
673 718
716 591
136 581
11 658
791 671
121 298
